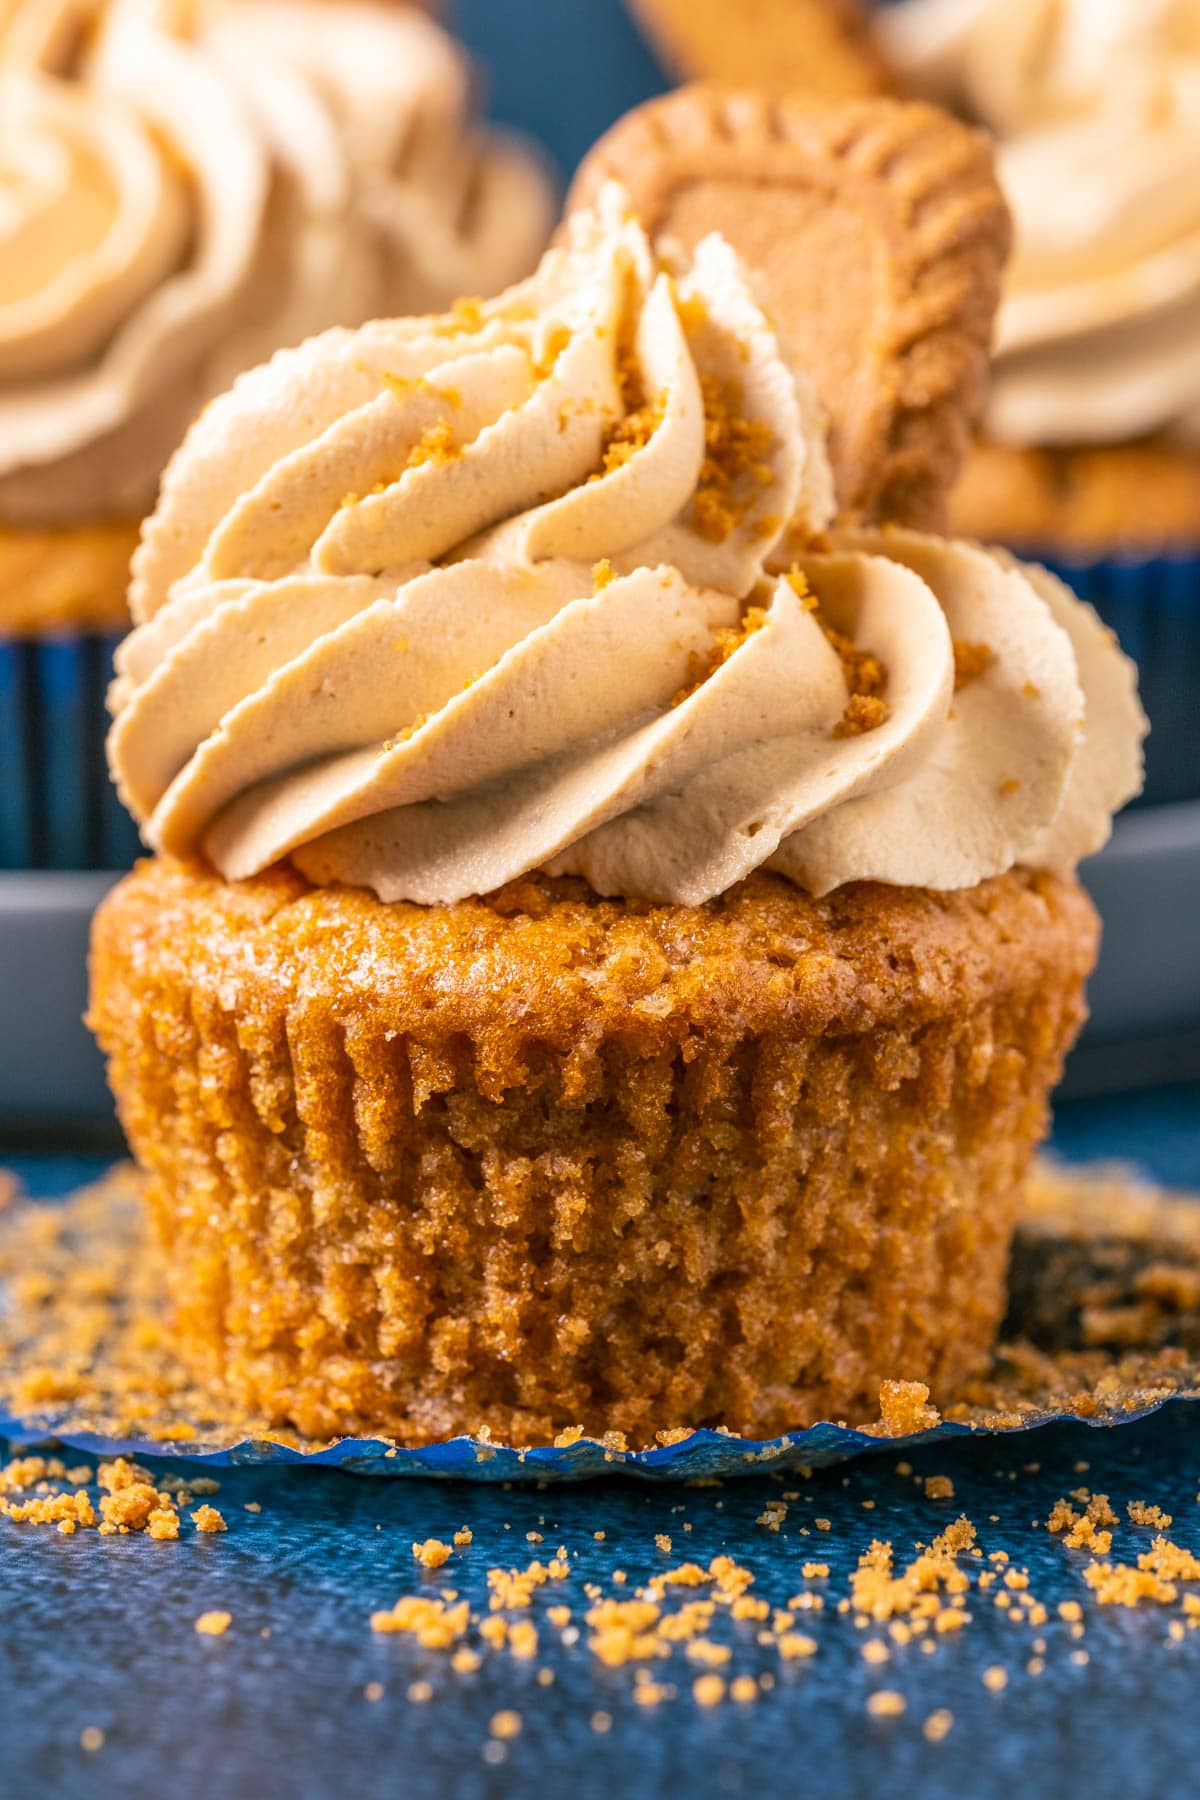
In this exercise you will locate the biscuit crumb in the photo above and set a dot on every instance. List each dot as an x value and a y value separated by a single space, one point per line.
432 1553
214 1624
904 1409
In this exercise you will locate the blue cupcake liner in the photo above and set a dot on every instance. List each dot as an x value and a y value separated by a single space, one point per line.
702 1454
1153 605
58 809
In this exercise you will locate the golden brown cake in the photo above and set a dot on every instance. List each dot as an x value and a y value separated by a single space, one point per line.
544 1159
614 930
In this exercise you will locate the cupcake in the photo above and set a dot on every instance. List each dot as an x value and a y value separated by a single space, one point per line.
1090 454
187 188
613 930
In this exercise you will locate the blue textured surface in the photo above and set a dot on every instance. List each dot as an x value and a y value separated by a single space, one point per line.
101 1632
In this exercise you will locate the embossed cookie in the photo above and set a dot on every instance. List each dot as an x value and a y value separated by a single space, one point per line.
877 235
818 47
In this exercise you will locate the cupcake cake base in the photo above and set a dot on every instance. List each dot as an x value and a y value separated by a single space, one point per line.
542 1160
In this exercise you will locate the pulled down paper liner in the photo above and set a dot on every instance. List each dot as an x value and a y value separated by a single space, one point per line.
1103 1328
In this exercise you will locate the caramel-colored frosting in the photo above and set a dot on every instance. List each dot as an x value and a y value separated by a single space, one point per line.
541 584
184 188
1097 107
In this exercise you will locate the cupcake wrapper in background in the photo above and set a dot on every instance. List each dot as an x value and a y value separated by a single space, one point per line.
58 809
1153 605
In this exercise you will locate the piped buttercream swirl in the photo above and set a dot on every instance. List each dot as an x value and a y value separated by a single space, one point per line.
184 188
1097 109
547 583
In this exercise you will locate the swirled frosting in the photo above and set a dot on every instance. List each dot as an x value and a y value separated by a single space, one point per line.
541 584
1097 108
184 188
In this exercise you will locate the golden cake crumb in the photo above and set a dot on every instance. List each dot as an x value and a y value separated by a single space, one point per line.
736 462
938 1725
1143 1514
1119 1584
91 1739
435 1624
652 1693
373 1691
506 1724
743 1688
432 1553
419 1692
463 1536
939 1487
214 1624
208 1519
704 1650
886 1704
1170 1561
995 1678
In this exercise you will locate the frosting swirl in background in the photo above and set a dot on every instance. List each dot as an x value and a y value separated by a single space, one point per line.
183 188
1097 107
433 603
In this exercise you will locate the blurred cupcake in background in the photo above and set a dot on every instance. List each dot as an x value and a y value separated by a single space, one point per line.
185 188
1090 455
819 47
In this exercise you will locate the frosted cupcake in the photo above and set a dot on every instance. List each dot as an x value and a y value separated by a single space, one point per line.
613 929
185 189
1091 451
